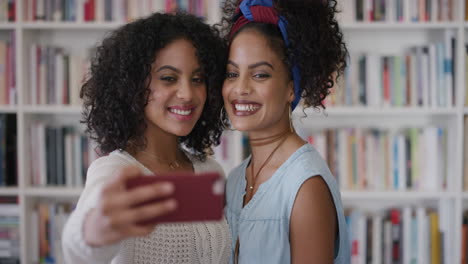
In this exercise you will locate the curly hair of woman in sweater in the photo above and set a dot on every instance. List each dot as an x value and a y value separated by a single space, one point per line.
151 102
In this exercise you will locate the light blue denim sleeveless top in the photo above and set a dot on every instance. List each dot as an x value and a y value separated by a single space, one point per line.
262 226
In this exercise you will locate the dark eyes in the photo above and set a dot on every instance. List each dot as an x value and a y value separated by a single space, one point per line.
198 80
230 75
170 79
261 76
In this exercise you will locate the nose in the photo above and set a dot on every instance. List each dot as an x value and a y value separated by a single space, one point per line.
242 86
185 91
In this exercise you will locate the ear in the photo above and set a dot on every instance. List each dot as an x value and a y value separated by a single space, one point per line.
290 91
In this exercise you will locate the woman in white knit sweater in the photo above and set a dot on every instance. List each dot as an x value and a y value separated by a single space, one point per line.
154 86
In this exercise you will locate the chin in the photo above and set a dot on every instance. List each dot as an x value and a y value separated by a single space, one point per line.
243 126
182 132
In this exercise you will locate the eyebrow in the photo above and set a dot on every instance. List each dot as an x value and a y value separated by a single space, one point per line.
233 63
255 65
169 68
176 70
197 70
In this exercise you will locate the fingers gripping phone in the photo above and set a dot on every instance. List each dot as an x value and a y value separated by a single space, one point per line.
200 197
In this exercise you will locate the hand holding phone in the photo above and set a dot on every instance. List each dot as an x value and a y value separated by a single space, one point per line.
200 197
116 215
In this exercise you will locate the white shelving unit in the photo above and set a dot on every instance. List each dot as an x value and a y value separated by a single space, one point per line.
55 192
402 25
9 191
71 25
391 37
406 196
52 109
9 25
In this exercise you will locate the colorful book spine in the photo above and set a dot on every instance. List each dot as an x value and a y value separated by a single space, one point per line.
377 159
98 10
399 11
421 77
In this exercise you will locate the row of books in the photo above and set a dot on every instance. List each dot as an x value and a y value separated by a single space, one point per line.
7 70
107 10
8 150
48 220
56 75
423 77
400 235
7 10
9 230
59 155
399 10
378 159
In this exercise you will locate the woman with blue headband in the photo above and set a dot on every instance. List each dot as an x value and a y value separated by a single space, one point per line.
283 203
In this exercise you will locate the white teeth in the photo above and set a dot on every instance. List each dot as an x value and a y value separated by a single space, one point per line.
180 112
246 107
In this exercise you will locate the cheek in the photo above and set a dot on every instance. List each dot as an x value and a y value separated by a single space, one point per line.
202 95
275 96
158 98
225 91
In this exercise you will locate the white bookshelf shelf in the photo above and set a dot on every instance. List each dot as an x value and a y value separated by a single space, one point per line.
71 25
379 111
7 25
395 195
9 191
55 192
400 26
8 109
52 109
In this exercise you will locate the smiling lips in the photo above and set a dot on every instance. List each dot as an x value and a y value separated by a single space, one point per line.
182 113
244 108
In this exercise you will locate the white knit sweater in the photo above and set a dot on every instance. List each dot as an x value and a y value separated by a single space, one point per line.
204 243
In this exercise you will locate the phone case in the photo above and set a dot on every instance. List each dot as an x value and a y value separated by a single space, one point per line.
200 197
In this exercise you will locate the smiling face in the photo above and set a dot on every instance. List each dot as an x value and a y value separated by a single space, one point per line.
178 90
258 88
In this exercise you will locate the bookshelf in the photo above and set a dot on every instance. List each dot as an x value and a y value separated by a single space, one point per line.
53 192
387 38
5 26
72 25
399 196
399 25
9 191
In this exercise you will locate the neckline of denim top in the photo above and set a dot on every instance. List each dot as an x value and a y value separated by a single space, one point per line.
264 186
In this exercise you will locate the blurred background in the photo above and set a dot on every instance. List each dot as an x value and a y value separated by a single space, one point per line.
394 133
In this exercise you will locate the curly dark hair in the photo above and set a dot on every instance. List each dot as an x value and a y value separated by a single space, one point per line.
117 90
316 43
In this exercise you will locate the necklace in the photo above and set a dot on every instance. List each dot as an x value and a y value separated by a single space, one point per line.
172 164
267 140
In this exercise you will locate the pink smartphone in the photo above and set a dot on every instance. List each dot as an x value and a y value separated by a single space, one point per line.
200 197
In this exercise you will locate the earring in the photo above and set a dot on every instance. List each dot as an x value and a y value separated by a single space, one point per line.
221 119
291 127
